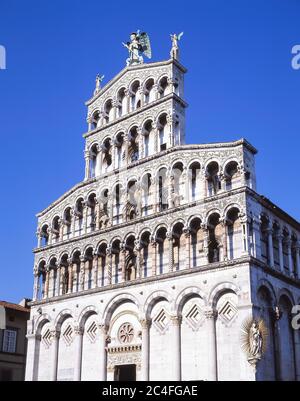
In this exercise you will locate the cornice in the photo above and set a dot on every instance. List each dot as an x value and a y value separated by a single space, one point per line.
134 68
275 273
276 210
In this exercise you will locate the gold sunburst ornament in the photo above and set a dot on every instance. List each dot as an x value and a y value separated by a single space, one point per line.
254 339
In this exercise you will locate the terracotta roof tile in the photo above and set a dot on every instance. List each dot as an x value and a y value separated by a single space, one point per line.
9 305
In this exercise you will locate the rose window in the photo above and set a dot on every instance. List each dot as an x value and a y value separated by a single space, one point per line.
126 333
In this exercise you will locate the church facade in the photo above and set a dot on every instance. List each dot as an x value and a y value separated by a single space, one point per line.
149 268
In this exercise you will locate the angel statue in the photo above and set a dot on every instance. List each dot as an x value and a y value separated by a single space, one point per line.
98 83
139 44
174 53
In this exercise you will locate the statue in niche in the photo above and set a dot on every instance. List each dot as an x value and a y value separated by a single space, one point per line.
253 339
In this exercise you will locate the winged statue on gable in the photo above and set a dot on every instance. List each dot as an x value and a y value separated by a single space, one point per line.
139 44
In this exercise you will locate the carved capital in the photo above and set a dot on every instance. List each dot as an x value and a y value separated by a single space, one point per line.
102 328
78 331
55 334
277 313
211 314
176 320
169 235
186 231
145 323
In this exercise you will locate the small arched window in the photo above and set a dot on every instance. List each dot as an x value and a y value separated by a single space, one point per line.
149 91
121 102
162 127
96 119
212 178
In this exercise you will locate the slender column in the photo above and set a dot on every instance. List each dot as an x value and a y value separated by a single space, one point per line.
61 229
211 346
297 249
137 250
110 203
73 222
127 106
280 251
82 273
183 185
223 180
78 353
126 146
141 142
98 213
142 96
203 182
170 124
187 236
176 348
113 154
243 173
224 239
85 217
187 186
95 270
51 290
115 108
87 272
256 224
98 162
269 231
33 341
35 283
154 194
155 128
102 351
54 354
122 261
108 266
205 241
50 235
70 277
245 233
153 256
170 184
46 289
87 165
75 278
102 120
89 123
277 351
62 268
290 259
145 348
156 93
101 270
39 238
170 247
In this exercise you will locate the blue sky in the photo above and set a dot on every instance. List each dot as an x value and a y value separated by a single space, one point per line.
240 83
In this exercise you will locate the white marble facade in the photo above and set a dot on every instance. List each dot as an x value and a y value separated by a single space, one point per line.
148 268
